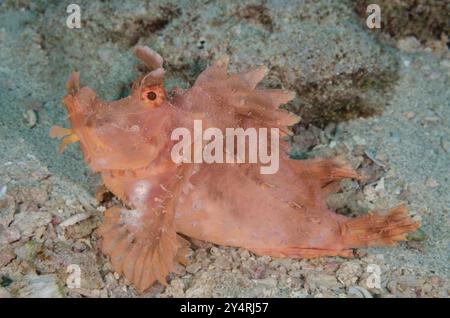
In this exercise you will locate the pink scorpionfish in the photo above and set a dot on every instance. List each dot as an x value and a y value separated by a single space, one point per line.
283 214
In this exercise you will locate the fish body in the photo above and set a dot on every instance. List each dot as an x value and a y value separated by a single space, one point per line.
282 214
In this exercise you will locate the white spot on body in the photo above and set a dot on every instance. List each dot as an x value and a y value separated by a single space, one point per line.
139 193
101 162
132 218
134 129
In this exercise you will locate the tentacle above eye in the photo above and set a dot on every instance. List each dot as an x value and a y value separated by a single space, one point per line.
149 57
154 62
155 77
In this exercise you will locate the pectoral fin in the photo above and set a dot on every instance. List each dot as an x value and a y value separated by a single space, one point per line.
143 243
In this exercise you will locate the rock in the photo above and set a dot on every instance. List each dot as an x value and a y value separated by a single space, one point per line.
254 269
27 251
28 222
431 120
349 272
297 154
193 268
39 234
305 139
3 191
43 286
81 229
30 118
410 115
316 280
359 292
409 44
407 281
427 289
338 201
74 219
295 273
370 193
7 210
303 293
175 289
79 246
445 144
435 280
379 187
359 140
179 270
268 282
202 286
4 293
391 286
223 262
31 198
431 183
8 235
6 256
281 262
244 254
91 293
330 130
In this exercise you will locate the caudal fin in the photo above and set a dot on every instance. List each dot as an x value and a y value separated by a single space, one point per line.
375 229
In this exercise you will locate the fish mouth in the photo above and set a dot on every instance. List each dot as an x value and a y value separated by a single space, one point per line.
67 135
77 102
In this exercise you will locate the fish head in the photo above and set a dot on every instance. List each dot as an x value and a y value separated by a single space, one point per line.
125 134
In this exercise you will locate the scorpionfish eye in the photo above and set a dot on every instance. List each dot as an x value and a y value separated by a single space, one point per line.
153 96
